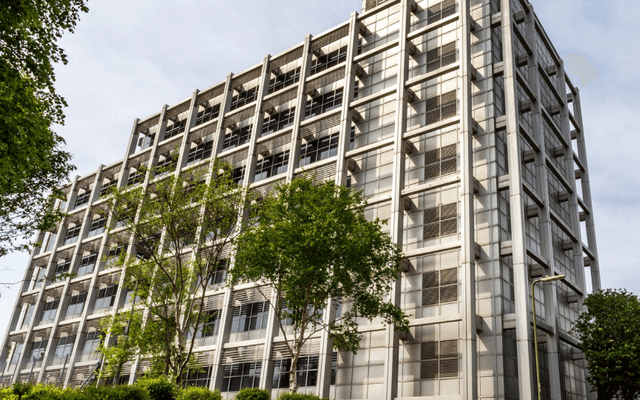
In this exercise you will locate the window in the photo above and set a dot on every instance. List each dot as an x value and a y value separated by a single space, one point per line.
440 221
27 315
166 165
249 317
238 175
323 103
97 226
271 166
71 235
319 149
441 10
441 107
129 298
52 241
108 185
439 287
327 61
106 298
240 376
209 328
175 128
236 137
278 121
442 161
243 97
62 268
220 274
198 378
91 343
146 140
82 199
281 81
200 152
49 311
136 176
87 264
307 371
208 114
63 351
76 305
439 360
114 253
37 352
17 351
441 56
40 278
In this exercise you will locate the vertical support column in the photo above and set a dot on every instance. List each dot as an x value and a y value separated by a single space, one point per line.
225 325
586 193
392 337
223 337
544 217
305 69
345 115
184 150
468 289
323 387
257 125
520 271
224 109
120 293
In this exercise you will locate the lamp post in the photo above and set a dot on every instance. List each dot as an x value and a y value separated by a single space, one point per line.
535 326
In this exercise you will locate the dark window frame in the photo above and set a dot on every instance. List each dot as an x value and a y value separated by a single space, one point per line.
271 166
319 149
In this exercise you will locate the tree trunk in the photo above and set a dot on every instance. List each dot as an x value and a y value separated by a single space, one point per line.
293 372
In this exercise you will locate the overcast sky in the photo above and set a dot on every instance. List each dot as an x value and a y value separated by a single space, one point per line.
129 58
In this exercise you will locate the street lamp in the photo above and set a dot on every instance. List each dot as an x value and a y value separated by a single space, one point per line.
535 327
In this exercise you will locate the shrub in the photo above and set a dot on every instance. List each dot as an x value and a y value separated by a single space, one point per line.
45 392
253 394
7 394
20 389
159 388
199 393
123 392
299 396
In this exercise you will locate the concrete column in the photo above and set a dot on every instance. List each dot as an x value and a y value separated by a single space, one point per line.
392 337
544 217
586 192
520 270
468 255
257 125
305 69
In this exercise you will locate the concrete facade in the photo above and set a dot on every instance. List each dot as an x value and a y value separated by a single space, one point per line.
457 120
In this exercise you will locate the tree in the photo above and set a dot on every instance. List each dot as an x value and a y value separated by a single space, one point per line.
609 330
181 228
311 244
32 162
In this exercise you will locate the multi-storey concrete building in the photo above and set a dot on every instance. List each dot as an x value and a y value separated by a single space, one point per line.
457 120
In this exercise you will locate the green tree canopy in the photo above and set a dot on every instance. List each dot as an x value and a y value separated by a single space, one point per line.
609 330
181 230
32 162
313 243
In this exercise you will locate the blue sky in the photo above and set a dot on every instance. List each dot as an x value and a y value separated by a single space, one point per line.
127 59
